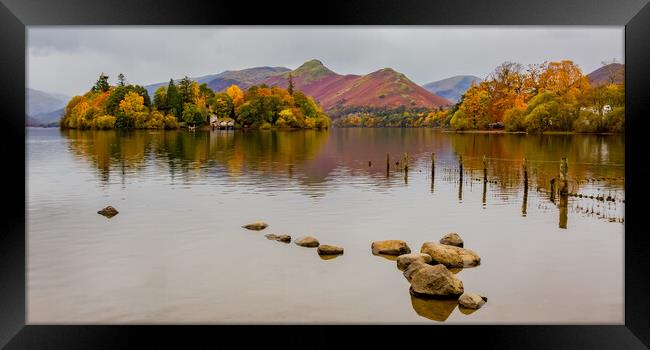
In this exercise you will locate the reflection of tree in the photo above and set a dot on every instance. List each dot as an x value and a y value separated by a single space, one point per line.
506 152
266 153
317 159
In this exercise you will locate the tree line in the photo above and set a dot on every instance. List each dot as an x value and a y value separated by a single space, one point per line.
189 103
551 96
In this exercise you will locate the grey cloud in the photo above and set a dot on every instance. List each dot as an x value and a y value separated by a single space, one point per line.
68 59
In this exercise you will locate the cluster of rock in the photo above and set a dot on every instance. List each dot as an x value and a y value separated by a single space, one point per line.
307 241
428 271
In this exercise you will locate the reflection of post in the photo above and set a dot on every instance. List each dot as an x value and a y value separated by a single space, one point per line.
553 190
484 192
405 164
564 201
484 169
564 170
460 190
433 170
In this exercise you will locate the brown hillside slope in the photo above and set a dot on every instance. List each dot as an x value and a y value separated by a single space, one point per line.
384 88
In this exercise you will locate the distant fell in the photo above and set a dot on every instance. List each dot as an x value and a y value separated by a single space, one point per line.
385 88
611 73
452 88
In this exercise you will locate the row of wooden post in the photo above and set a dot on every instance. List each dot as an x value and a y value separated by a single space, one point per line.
564 169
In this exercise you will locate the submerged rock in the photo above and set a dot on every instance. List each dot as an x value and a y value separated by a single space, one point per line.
451 256
452 239
326 249
309 242
404 260
256 226
108 212
281 238
471 300
434 281
390 247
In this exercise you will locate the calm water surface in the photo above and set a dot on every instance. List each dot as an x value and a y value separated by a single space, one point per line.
176 252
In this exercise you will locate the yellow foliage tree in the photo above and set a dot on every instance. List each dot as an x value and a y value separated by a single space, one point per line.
236 95
132 103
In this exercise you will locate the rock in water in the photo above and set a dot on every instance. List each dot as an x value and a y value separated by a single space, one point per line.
390 247
309 242
435 281
108 212
452 239
257 226
280 238
326 249
472 300
404 260
414 267
450 256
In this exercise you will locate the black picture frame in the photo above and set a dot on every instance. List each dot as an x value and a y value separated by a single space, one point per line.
15 15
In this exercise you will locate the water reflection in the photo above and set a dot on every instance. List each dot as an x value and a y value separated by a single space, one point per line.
433 309
315 162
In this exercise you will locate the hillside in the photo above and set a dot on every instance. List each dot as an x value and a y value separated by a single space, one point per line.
337 93
611 73
39 102
452 88
244 78
50 118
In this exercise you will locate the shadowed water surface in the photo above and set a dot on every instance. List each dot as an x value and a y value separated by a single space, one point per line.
176 252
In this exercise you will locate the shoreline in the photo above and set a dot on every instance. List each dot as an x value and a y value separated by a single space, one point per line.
339 127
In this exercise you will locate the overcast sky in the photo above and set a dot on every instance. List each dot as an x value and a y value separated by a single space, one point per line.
68 59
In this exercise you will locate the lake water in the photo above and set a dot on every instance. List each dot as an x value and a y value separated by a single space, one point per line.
176 252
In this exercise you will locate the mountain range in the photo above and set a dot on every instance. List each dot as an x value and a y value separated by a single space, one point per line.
452 88
44 108
336 93
382 89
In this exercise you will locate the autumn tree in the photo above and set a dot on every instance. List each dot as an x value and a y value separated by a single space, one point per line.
222 105
236 95
185 88
120 79
174 100
101 84
160 99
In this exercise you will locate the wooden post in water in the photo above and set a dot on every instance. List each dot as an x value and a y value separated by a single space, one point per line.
484 168
524 206
564 170
405 162
525 168
433 165
387 164
460 165
564 191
